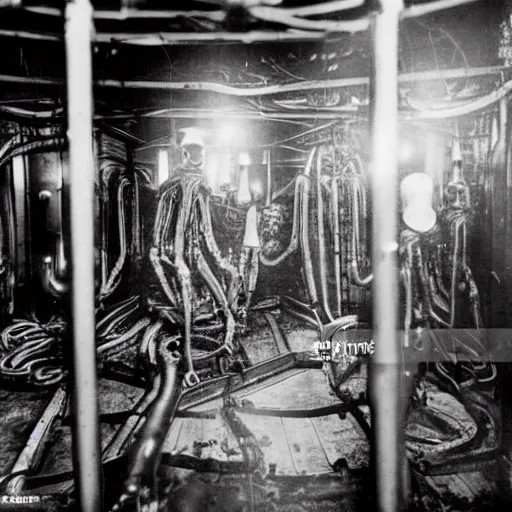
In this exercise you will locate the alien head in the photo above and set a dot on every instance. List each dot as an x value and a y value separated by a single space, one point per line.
193 149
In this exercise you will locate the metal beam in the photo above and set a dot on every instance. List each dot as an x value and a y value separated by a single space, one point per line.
385 372
86 441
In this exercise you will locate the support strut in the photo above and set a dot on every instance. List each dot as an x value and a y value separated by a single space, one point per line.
385 369
78 35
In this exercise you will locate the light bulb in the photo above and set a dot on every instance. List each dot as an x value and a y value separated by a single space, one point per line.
244 159
251 238
163 166
494 132
417 190
256 189
243 193
456 153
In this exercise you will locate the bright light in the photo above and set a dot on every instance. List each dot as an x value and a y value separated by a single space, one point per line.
226 134
230 134
456 153
494 132
244 159
163 166
251 238
417 191
405 151
211 170
243 193
256 189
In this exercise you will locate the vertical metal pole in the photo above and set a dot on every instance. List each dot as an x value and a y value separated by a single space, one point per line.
268 158
385 377
78 34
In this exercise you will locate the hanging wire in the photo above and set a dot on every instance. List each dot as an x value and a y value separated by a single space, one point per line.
455 44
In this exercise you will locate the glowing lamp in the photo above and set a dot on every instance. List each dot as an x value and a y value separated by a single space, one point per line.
243 193
417 191
494 132
244 160
456 152
251 238
456 161
163 166
256 189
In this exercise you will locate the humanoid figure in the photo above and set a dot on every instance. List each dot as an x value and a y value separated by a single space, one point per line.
198 281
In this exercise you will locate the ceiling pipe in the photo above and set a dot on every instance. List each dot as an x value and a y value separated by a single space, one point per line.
316 9
385 368
86 437
269 90
302 29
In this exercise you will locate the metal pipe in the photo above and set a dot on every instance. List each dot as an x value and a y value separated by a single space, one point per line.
335 185
406 78
78 36
321 239
385 370
268 158
303 29
50 282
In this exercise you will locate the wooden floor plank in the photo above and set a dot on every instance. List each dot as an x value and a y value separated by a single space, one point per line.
172 437
465 486
271 437
343 439
192 430
223 444
216 403
305 446
308 389
277 380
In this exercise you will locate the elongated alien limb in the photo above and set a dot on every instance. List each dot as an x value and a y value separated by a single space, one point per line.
211 244
166 212
183 274
219 295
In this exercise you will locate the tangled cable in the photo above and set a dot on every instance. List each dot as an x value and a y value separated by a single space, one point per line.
33 353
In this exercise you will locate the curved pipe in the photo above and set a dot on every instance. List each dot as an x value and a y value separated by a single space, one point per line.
335 207
355 276
61 264
115 276
304 229
49 281
321 240
407 282
300 227
462 110
294 238
7 147
37 146
342 323
146 451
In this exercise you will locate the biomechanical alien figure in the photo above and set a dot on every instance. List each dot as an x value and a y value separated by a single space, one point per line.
424 306
199 283
248 266
456 207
